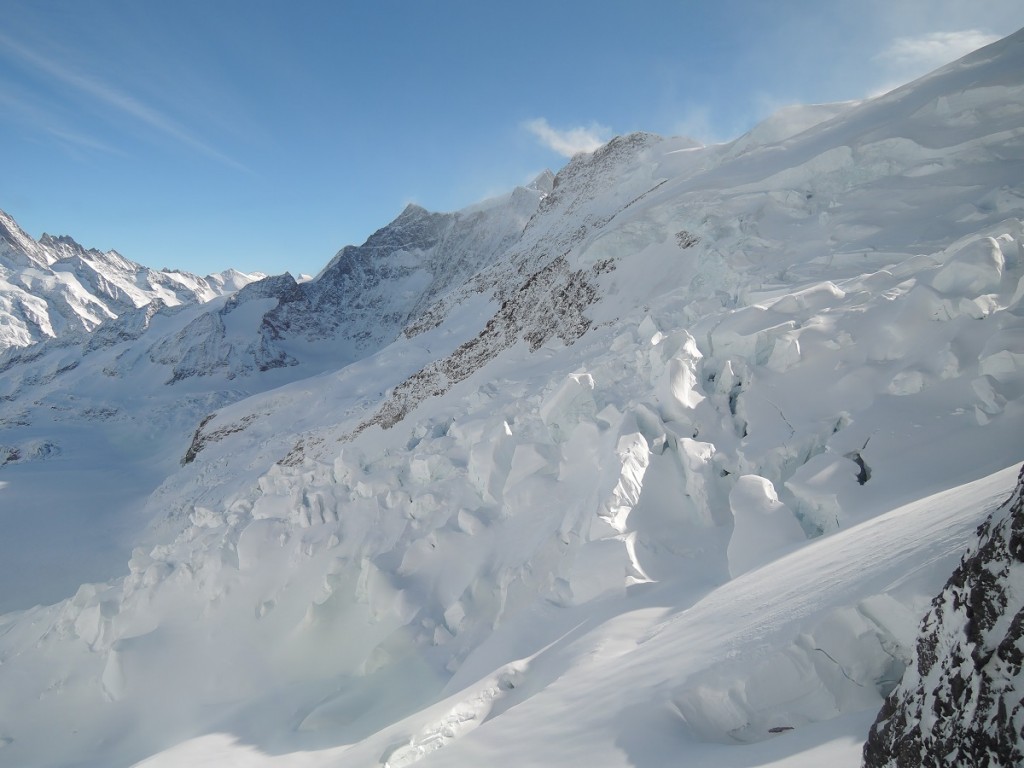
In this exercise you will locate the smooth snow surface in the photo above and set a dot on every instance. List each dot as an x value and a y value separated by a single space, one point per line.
663 467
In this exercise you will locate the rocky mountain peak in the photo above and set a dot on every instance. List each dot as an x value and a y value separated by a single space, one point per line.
543 183
17 249
64 243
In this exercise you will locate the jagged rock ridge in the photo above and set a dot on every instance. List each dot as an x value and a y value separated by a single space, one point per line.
962 700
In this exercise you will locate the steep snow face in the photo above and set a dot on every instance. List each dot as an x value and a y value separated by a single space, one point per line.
960 701
648 443
55 286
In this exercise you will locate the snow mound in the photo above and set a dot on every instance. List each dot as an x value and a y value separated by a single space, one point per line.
763 527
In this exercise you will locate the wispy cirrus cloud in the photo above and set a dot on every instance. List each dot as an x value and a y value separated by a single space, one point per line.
906 58
21 108
570 141
110 97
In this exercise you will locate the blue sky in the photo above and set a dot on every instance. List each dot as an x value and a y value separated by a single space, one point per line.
267 135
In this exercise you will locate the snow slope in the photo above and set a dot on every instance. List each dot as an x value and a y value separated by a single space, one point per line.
659 459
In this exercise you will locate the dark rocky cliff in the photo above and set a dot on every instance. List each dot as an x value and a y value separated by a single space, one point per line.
962 701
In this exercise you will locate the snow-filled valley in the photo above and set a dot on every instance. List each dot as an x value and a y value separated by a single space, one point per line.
658 460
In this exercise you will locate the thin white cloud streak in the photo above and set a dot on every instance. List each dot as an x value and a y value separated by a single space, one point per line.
78 140
43 121
907 58
113 98
571 141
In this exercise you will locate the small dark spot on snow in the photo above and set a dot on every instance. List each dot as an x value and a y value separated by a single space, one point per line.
686 239
864 471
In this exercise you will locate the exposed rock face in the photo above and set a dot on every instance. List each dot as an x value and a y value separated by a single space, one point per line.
550 303
962 702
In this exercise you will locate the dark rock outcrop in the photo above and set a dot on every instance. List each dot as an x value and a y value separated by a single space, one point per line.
962 701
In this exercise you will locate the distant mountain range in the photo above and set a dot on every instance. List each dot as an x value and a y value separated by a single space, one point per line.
55 286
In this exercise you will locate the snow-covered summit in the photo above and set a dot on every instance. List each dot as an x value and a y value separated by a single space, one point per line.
664 456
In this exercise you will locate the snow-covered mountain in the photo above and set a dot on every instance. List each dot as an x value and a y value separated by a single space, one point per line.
55 286
658 459
120 404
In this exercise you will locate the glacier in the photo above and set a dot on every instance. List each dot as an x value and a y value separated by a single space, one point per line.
659 458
